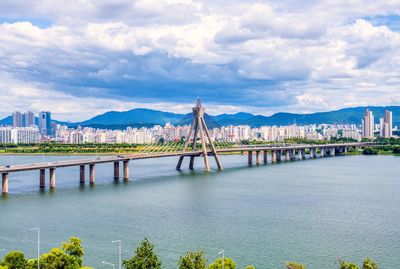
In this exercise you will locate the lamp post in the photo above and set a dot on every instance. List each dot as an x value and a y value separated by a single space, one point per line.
38 245
113 265
222 252
119 252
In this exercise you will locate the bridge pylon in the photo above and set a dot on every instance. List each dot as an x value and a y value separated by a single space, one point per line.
199 131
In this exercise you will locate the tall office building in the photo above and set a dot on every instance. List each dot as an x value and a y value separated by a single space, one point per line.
45 123
386 125
17 119
368 124
29 119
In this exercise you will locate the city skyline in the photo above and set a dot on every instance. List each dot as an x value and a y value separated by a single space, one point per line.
261 57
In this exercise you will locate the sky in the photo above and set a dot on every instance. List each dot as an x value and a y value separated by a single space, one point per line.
80 58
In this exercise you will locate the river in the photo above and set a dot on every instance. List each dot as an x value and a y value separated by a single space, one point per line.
310 211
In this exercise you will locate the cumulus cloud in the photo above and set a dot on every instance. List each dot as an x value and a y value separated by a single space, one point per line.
260 56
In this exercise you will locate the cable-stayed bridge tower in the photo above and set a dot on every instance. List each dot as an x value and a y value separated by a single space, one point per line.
199 132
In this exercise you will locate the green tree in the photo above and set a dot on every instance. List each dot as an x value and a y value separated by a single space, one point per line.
193 260
250 267
228 264
58 259
347 265
369 264
145 257
15 260
370 151
74 248
295 265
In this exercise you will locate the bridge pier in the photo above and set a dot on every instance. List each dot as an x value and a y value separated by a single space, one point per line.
322 152
4 183
92 174
279 155
258 157
273 156
250 157
332 151
179 165
287 155
126 170
265 155
82 174
52 178
116 170
303 153
191 163
345 149
42 178
292 154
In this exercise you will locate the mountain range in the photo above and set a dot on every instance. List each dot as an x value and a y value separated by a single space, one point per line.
141 117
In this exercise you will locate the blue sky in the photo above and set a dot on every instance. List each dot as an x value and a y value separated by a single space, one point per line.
82 58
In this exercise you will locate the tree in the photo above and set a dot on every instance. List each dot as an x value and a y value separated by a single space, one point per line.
347 265
193 260
74 248
228 264
294 265
58 259
369 264
250 267
15 260
370 151
145 257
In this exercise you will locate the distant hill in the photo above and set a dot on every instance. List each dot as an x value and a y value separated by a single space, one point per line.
141 117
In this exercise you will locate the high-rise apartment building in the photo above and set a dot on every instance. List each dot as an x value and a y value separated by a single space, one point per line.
17 119
368 125
29 119
45 123
386 125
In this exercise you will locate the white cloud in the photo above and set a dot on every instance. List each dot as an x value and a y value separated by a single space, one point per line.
260 55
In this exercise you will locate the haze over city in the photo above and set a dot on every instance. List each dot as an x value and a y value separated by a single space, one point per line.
81 58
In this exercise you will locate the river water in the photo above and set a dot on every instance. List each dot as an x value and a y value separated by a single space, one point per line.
310 211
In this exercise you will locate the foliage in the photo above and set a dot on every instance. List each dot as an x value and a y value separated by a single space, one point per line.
294 265
193 260
228 264
347 265
250 267
58 259
74 248
369 264
145 257
15 260
370 151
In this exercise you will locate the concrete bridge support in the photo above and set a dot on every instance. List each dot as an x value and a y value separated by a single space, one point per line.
332 151
126 170
265 156
42 178
303 153
52 178
258 157
345 149
82 174
292 154
179 165
92 174
322 152
116 170
287 155
273 156
279 155
250 157
4 183
191 163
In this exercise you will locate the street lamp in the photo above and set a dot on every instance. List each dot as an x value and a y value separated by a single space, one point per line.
38 245
113 265
223 257
119 252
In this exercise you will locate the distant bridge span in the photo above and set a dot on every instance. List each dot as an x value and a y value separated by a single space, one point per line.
261 153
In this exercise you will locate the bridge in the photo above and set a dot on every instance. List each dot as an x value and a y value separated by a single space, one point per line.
198 135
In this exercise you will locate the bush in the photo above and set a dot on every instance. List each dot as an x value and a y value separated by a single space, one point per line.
294 265
228 264
193 260
15 260
370 151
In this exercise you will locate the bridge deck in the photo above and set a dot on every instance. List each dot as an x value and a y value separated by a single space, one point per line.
99 160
